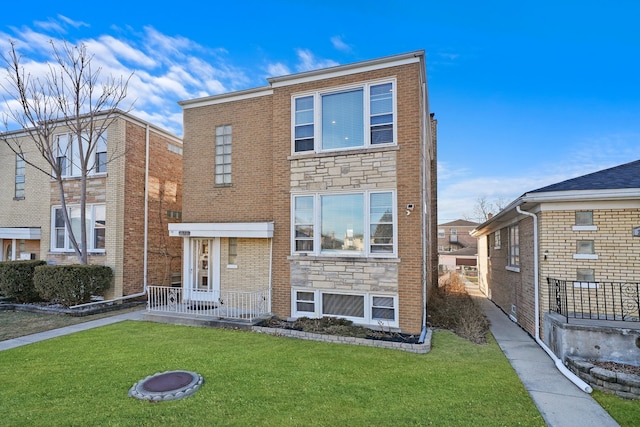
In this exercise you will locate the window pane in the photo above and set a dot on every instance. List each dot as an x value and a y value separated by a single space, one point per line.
343 305
304 103
304 131
342 120
381 99
99 238
584 218
303 220
342 222
303 117
585 247
585 275
381 222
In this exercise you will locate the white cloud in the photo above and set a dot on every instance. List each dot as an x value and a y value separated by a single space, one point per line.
339 44
277 69
308 61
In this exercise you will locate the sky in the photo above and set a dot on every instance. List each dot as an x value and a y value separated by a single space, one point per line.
526 94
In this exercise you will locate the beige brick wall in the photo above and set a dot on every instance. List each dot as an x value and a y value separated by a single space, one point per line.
251 271
265 173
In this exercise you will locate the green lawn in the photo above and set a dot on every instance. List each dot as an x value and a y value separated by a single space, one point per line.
253 379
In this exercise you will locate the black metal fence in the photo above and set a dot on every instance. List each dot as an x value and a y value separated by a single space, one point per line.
595 300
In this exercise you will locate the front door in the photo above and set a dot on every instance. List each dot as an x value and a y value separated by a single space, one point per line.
205 270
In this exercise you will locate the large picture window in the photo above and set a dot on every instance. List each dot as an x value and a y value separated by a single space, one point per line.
355 117
95 226
350 224
68 149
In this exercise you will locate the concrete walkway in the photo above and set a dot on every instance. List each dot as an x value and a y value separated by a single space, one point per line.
29 339
561 403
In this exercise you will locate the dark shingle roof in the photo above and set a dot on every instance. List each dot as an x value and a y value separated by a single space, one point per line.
617 177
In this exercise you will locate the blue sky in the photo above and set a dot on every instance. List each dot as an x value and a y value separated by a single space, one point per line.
526 93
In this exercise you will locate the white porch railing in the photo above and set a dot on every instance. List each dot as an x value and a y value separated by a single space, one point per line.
238 305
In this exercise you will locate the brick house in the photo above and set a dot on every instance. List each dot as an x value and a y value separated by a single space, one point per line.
455 235
317 191
126 225
583 233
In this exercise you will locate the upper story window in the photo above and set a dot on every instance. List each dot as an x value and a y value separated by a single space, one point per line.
349 224
356 117
20 173
440 232
223 155
95 226
514 246
68 149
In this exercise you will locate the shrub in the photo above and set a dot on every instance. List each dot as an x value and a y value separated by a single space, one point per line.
16 280
450 307
71 284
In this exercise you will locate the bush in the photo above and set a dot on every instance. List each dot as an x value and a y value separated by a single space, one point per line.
16 280
450 307
71 284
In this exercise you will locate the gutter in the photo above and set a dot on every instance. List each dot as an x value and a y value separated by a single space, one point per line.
563 369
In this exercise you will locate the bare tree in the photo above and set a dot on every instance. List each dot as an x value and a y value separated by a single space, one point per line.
484 208
70 96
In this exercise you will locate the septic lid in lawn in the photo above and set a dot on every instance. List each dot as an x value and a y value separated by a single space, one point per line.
170 385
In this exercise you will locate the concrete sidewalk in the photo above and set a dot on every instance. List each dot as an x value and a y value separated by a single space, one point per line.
561 403
29 339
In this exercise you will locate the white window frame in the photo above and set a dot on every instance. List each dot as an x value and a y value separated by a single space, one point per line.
71 155
317 114
223 156
367 222
497 240
514 246
21 168
91 230
368 300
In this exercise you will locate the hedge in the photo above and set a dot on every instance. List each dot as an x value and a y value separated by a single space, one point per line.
71 284
16 280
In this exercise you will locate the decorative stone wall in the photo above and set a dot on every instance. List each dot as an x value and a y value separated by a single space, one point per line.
345 274
621 384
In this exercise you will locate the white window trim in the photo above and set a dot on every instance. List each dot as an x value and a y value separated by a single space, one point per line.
90 235
367 320
317 116
317 251
68 173
586 285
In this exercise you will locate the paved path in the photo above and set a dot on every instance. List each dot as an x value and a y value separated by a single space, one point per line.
29 339
561 403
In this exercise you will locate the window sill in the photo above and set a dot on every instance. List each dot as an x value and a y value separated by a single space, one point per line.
584 228
222 185
310 257
585 256
512 268
351 151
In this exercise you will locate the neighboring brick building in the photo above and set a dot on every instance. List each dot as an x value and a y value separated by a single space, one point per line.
455 235
584 232
127 227
315 187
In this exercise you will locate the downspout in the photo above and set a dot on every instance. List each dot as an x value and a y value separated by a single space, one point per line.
563 369
270 271
426 130
146 212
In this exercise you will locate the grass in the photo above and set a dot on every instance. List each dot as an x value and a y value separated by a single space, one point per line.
626 412
19 323
254 379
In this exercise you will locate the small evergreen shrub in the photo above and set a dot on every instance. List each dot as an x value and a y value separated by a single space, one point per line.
71 284
16 280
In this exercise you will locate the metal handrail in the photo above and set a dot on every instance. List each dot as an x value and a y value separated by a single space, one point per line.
618 301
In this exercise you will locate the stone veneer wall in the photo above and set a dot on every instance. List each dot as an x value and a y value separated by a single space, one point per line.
618 383
345 274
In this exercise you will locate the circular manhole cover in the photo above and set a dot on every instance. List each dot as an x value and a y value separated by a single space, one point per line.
170 385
